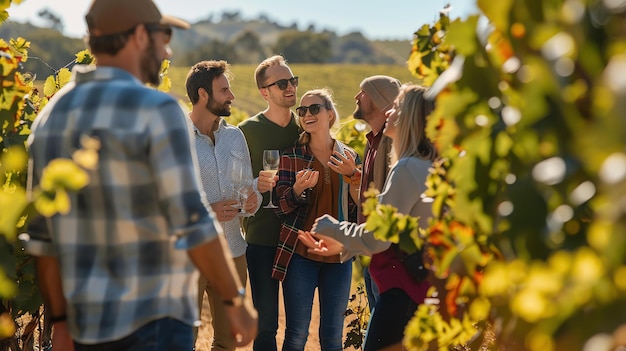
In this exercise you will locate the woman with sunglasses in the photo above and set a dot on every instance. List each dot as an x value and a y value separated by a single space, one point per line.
400 292
318 176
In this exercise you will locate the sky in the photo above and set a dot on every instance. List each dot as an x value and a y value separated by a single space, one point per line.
386 19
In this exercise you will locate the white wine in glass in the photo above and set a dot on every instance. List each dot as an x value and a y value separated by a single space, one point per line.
271 160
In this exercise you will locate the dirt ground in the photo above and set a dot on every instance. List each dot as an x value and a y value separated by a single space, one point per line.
205 335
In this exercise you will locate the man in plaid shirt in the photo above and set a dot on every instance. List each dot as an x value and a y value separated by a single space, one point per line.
118 271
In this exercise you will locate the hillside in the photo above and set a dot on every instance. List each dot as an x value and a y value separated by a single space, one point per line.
231 38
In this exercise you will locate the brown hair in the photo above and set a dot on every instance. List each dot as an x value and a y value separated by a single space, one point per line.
202 75
109 44
259 73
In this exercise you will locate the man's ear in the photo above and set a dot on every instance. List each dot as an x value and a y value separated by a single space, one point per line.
264 93
141 37
203 94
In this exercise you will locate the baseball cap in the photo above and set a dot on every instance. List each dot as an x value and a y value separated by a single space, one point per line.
107 17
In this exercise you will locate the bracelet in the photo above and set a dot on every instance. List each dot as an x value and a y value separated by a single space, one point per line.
57 319
236 301
355 178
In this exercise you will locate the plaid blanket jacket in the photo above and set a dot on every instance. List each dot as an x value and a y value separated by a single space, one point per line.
293 210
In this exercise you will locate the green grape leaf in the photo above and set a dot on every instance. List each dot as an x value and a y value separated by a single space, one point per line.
497 12
503 144
462 35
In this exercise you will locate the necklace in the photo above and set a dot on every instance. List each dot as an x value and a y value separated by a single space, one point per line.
326 175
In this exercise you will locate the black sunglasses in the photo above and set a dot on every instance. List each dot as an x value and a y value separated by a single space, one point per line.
282 83
153 28
314 109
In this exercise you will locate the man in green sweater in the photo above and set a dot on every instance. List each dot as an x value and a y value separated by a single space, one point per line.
274 128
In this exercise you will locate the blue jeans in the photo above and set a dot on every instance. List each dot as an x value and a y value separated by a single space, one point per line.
333 283
165 334
264 290
371 288
394 309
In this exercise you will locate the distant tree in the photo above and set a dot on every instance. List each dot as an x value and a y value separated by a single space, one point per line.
248 48
53 20
304 47
231 16
214 50
354 48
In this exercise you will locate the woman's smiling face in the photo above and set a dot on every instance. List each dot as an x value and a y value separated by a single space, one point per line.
313 122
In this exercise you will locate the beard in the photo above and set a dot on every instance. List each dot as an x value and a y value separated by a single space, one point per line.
218 109
358 113
151 65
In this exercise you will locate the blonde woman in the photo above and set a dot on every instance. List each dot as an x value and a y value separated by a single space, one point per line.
400 292
318 176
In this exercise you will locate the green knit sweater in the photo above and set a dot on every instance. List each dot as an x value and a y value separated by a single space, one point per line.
262 134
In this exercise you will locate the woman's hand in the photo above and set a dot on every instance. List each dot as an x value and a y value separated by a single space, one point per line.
344 165
320 244
305 179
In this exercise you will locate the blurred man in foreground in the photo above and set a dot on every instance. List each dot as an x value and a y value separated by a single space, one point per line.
118 271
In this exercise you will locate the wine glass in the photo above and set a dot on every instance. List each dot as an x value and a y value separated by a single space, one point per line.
243 193
240 182
271 160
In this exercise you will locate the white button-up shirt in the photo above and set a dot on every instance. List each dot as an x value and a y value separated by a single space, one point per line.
213 160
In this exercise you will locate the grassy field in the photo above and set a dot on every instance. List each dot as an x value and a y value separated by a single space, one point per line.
343 80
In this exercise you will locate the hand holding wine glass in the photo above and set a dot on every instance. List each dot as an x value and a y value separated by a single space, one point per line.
271 160
241 183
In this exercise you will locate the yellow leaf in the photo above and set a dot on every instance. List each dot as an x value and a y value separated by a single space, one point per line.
531 306
86 158
12 205
45 205
63 173
50 86
64 76
587 268
7 326
85 58
539 341
15 159
495 281
62 201
166 84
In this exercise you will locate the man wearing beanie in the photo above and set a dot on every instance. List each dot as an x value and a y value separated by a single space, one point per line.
119 270
372 102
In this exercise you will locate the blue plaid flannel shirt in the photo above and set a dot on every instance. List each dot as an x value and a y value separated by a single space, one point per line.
123 245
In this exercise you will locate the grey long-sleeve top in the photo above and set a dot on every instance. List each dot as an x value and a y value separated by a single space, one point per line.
403 190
